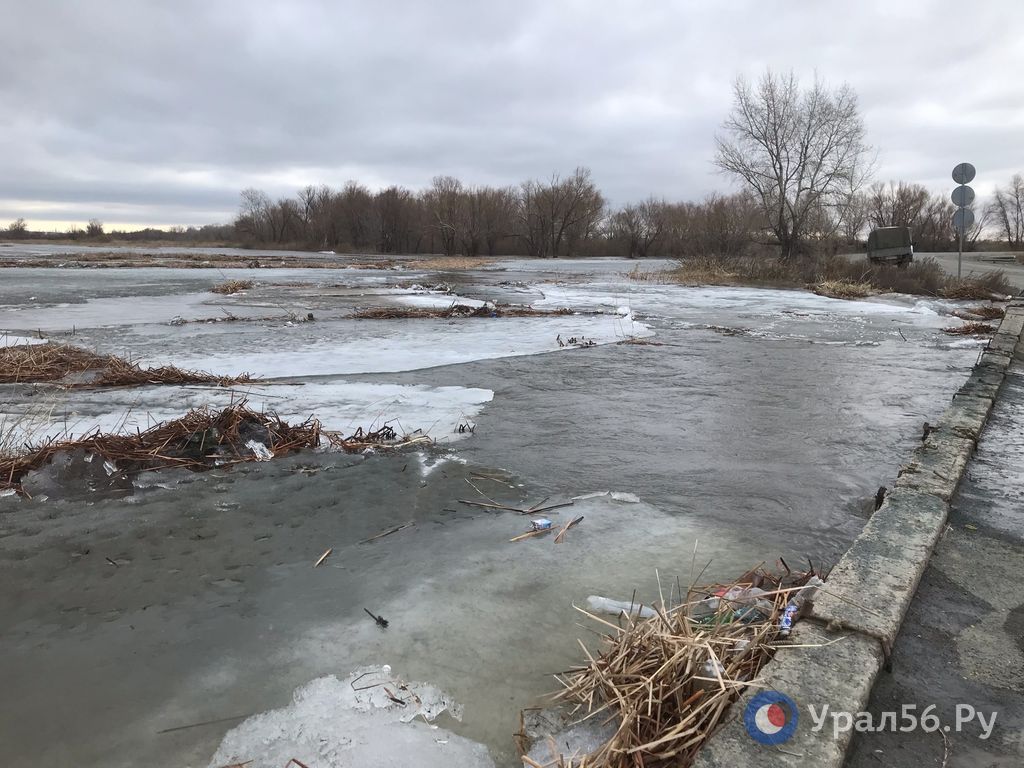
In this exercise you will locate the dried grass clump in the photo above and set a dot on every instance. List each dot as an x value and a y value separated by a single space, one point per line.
454 311
991 285
232 286
46 362
970 329
924 277
200 440
668 680
841 289
450 263
34 363
983 311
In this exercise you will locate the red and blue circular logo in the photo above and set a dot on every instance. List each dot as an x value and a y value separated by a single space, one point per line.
771 718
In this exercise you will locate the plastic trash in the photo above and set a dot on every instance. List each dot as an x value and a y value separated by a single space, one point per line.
793 607
259 450
599 604
541 524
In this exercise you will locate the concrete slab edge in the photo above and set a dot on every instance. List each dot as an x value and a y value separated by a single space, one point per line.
851 628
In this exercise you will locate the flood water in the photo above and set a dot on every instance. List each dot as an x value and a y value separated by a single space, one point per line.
759 425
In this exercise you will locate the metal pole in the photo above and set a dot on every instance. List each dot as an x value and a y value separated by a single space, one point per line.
960 251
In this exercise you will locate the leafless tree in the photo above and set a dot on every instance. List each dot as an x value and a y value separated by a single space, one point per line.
897 204
399 216
554 217
17 228
854 217
445 203
1007 211
797 150
94 228
640 227
497 214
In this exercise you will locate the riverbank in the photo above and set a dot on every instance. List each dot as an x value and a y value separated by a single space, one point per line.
853 627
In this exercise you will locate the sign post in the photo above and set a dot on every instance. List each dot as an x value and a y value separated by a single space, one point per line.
963 217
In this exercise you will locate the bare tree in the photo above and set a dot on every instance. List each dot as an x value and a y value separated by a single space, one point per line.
1007 211
445 203
897 204
554 217
640 227
497 214
797 150
17 228
94 228
855 217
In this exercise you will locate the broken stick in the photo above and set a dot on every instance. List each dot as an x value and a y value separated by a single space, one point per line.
323 557
561 534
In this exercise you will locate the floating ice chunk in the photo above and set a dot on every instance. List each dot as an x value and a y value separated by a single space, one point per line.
355 721
625 498
620 496
8 340
594 495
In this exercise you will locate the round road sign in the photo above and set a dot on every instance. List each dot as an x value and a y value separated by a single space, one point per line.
962 196
964 173
963 219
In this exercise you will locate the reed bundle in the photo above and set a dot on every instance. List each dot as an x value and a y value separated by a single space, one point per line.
34 363
668 680
455 311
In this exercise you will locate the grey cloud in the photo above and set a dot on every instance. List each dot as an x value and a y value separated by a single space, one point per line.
163 110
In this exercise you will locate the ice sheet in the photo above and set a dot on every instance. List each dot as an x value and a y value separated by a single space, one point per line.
9 340
354 722
685 301
380 346
340 405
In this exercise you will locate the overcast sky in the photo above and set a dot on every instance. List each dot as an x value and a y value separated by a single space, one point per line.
161 112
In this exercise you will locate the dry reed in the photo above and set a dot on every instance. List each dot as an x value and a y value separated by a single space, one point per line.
34 363
200 440
232 286
974 328
982 311
454 311
667 681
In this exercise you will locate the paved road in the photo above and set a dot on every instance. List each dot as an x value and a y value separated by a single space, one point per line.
977 263
962 642
973 264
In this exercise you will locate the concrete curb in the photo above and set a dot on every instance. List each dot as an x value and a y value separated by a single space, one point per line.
871 587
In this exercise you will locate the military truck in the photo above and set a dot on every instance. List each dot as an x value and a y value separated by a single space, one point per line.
891 245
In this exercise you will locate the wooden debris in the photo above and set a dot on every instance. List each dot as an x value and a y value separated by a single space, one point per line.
970 329
323 557
455 310
381 621
199 441
389 531
534 510
560 536
531 534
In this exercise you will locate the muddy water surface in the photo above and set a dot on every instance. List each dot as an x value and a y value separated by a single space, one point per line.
760 425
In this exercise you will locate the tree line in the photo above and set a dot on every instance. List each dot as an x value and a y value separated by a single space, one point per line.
798 154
